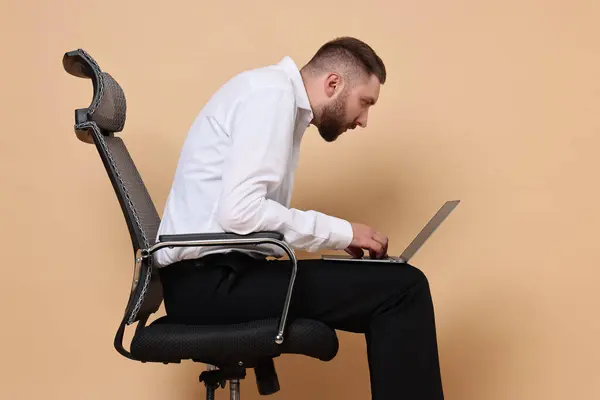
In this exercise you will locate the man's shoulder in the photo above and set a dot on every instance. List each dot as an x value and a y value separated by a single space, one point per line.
264 79
249 87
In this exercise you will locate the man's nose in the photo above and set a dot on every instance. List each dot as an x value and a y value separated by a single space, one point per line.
362 120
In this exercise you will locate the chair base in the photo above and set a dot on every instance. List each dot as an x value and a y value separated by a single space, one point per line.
214 378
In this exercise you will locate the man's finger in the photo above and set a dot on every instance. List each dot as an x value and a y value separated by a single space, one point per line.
376 249
380 238
383 240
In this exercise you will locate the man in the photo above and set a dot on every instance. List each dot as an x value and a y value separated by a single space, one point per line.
236 174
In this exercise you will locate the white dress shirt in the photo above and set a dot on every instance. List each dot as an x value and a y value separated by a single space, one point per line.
236 169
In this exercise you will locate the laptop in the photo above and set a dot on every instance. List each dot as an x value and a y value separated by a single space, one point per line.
413 247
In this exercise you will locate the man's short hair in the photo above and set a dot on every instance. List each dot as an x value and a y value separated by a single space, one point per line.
351 52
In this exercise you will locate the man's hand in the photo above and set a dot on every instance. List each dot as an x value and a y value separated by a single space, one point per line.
368 239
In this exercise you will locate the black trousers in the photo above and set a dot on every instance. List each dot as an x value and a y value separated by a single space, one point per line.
390 303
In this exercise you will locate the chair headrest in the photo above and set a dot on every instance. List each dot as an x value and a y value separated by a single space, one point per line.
108 109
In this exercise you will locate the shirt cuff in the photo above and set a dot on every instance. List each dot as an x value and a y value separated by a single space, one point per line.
341 233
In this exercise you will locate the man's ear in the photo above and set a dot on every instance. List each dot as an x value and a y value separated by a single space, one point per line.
332 84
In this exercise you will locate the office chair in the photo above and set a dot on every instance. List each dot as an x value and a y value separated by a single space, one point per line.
227 350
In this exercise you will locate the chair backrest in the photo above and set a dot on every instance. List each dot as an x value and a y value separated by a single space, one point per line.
97 124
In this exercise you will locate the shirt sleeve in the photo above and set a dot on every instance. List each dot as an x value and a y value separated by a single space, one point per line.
262 133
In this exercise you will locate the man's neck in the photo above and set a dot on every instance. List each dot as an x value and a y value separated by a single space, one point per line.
308 81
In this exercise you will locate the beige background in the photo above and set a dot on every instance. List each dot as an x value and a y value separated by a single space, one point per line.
494 103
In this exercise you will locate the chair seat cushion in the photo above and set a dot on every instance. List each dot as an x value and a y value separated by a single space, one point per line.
249 343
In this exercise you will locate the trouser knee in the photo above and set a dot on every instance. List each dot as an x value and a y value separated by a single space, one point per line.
405 280
415 276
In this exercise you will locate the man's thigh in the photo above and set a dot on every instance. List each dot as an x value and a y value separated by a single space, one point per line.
347 295
343 295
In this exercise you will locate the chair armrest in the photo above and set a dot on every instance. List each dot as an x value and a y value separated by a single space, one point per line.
217 239
227 238
185 237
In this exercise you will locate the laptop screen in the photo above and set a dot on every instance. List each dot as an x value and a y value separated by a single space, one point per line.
426 232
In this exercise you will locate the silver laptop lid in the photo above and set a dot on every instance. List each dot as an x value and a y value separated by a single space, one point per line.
428 229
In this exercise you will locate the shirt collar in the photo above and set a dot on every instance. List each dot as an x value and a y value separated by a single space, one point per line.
290 67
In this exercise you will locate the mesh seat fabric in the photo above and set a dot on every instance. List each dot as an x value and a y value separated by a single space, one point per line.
248 343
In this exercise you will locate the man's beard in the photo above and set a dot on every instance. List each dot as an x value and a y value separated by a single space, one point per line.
332 119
